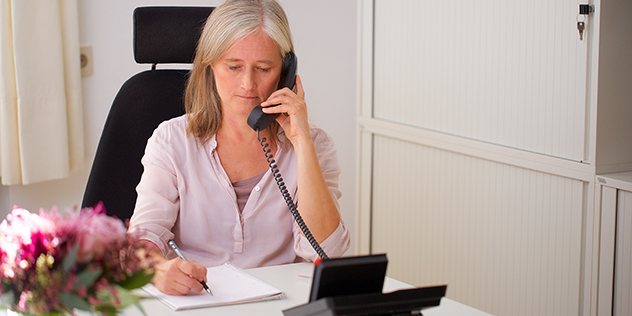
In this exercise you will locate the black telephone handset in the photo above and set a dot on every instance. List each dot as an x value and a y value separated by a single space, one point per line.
259 120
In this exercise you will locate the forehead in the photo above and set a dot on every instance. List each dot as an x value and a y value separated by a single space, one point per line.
254 47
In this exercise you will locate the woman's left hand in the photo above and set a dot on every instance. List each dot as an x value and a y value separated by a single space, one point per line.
318 208
293 109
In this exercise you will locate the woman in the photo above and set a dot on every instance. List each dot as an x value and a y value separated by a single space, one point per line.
207 184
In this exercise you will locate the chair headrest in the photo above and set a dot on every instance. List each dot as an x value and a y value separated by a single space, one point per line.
167 34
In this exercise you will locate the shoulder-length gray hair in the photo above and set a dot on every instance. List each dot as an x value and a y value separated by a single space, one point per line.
229 22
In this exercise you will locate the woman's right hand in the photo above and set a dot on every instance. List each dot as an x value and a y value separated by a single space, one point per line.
178 277
175 276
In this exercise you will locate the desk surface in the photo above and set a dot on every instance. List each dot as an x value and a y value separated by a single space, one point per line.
295 281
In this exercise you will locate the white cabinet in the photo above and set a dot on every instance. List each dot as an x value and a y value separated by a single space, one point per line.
615 271
482 128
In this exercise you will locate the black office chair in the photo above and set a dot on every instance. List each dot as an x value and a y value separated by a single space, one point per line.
161 35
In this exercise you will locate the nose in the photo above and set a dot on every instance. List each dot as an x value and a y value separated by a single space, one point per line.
248 80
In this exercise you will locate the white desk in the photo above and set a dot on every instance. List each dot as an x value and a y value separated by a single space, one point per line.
296 289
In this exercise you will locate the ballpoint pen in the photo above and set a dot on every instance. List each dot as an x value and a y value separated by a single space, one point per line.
177 250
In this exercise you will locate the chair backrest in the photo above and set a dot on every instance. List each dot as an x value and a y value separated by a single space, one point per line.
161 35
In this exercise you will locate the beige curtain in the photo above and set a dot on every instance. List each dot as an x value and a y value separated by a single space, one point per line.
41 117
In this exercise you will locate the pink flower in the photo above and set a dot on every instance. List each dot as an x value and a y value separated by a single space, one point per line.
23 301
102 243
99 233
38 244
25 223
26 238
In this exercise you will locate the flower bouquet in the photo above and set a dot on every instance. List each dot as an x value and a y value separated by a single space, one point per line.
55 263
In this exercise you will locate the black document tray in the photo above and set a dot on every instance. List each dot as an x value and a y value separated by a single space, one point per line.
394 303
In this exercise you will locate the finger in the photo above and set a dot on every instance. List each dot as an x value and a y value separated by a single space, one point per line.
192 269
171 280
283 103
183 283
282 118
201 270
277 98
190 284
300 92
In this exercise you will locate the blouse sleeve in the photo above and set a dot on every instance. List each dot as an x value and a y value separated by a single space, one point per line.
157 205
338 242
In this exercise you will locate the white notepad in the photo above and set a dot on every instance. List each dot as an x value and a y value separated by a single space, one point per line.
229 284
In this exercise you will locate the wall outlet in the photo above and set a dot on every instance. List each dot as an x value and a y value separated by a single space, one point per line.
87 64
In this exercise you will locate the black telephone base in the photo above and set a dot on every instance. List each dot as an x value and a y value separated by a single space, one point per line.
401 302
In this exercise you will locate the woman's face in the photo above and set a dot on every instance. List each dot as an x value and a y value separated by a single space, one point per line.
247 73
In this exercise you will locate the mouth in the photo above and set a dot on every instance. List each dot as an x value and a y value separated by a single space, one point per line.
248 97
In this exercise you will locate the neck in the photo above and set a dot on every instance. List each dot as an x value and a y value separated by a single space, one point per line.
236 129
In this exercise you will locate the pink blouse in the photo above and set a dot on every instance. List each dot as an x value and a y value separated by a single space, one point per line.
185 195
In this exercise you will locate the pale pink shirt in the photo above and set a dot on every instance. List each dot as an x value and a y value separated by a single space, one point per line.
185 195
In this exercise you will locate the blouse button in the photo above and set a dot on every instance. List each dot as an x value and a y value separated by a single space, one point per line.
257 188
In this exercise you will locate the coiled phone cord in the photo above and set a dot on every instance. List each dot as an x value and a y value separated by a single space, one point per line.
288 198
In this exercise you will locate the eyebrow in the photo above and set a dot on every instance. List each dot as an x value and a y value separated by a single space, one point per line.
264 61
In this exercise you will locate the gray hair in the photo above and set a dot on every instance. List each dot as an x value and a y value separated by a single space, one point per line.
229 22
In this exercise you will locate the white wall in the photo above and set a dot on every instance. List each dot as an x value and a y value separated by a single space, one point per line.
325 42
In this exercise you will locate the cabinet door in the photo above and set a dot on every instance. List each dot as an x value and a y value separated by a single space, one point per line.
615 259
511 73
507 238
622 298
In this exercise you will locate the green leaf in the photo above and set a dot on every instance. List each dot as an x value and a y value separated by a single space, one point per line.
87 277
140 308
70 259
74 301
126 297
136 280
108 299
106 310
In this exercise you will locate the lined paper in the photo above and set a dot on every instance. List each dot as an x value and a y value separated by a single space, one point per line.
230 285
